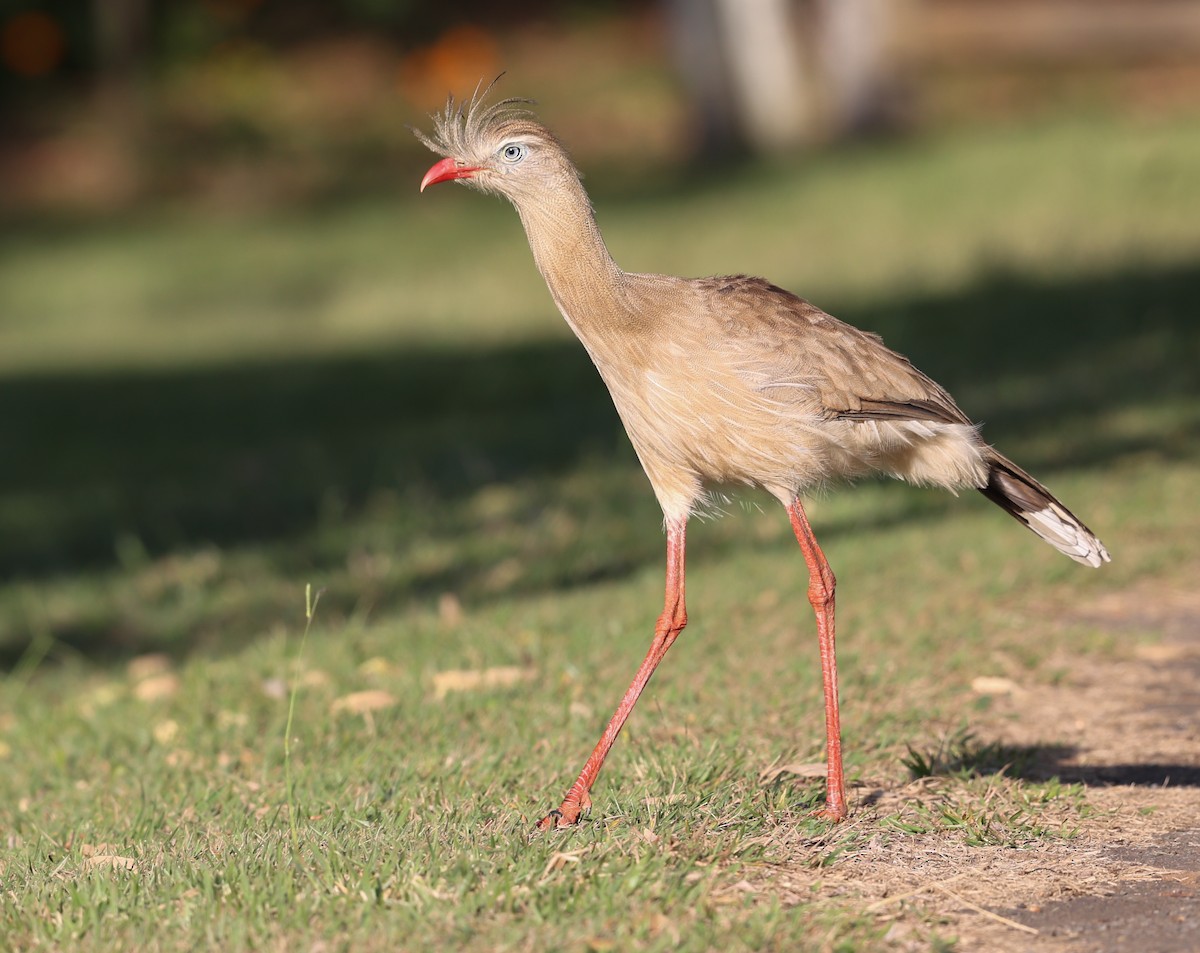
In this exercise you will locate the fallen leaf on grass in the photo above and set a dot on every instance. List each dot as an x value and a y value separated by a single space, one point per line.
659 923
165 731
993 685
182 759
157 687
153 663
232 719
1163 653
277 689
503 575
450 610
113 861
734 893
560 859
314 678
467 680
899 931
801 769
100 697
359 703
377 667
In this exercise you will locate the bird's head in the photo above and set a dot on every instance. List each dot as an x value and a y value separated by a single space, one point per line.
498 148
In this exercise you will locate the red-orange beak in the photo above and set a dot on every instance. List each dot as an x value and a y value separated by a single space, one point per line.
446 170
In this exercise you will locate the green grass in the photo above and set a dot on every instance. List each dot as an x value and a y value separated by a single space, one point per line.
203 417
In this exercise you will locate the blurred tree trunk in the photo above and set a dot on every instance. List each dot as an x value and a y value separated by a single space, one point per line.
855 40
122 37
122 34
770 75
122 41
744 67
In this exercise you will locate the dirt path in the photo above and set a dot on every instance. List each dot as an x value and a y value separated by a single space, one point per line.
1136 725
1130 879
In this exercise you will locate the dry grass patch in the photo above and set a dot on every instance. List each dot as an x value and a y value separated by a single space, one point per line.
991 846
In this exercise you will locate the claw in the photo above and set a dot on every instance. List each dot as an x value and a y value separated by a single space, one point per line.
566 815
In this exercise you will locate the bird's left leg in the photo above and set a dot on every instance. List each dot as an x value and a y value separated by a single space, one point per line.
670 624
821 585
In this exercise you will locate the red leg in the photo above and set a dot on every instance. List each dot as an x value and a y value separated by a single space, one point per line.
670 624
821 584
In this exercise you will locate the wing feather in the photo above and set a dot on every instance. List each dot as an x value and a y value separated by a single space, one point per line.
794 344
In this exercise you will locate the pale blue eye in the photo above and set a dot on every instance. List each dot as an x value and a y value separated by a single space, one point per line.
513 152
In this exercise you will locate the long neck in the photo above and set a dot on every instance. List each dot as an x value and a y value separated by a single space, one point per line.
571 255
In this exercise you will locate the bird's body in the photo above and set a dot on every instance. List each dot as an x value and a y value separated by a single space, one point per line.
740 382
731 380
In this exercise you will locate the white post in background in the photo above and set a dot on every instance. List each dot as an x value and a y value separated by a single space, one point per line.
743 65
854 43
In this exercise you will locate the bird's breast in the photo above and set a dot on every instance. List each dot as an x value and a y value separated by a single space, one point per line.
687 413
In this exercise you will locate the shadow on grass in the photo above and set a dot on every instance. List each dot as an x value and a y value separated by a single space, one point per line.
117 470
965 755
1150 775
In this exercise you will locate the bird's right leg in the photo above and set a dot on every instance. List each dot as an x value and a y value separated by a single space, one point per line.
821 585
670 624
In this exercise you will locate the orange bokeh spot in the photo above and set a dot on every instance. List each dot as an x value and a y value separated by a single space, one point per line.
32 44
460 59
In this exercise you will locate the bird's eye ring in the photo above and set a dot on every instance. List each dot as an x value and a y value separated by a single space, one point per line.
513 152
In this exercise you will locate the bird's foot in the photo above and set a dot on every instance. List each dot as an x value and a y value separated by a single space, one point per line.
833 811
566 814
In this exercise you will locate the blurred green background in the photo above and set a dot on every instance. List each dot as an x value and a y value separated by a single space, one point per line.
238 352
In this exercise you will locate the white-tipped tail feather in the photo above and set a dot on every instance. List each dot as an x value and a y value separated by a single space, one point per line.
1066 534
1020 495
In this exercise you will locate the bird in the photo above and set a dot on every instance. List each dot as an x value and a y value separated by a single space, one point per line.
728 381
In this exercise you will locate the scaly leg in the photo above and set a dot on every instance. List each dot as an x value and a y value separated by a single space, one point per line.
670 624
821 585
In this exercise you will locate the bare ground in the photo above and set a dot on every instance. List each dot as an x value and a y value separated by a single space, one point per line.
1128 731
